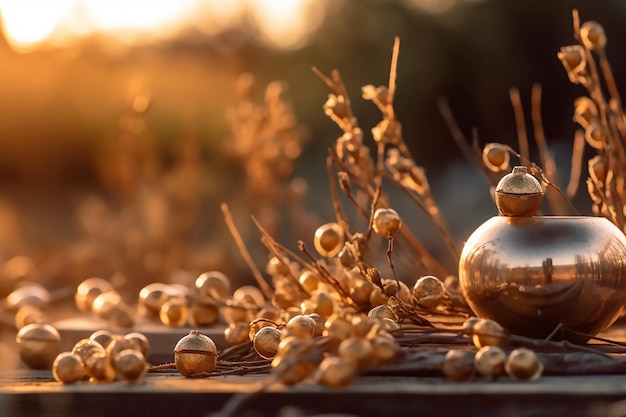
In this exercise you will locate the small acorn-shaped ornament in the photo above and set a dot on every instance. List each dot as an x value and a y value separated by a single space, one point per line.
38 345
519 194
195 354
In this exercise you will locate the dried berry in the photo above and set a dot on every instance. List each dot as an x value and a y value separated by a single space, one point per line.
386 222
266 342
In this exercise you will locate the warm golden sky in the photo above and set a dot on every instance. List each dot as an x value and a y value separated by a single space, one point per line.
29 24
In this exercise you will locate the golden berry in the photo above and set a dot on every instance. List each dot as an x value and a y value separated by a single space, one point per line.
130 365
213 284
429 291
386 222
523 364
328 239
489 362
488 333
88 290
266 342
335 372
68 368
458 365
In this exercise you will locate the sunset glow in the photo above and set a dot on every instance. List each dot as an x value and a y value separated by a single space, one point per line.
30 24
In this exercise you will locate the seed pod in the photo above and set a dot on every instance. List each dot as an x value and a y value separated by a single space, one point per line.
595 136
68 368
130 365
496 157
592 35
523 364
38 345
488 333
266 342
328 239
489 362
335 372
88 290
195 354
458 365
574 61
585 111
429 291
386 222
213 284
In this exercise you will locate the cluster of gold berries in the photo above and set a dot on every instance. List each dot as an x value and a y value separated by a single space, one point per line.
330 351
104 357
490 361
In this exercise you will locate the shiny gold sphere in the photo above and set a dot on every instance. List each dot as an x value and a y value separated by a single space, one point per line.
195 354
88 290
130 365
523 364
386 222
489 362
531 274
38 345
68 368
328 239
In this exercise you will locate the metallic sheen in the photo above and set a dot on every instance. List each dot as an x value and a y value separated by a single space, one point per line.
532 273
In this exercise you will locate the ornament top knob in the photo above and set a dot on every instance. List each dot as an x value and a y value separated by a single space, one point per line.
518 194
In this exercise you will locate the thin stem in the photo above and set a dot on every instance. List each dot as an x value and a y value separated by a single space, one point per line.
264 286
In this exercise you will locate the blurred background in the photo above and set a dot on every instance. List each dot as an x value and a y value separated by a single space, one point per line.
115 143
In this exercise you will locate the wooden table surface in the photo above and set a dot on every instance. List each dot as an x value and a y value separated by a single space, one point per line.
25 392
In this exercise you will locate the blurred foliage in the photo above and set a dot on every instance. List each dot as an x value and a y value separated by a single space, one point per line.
60 109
